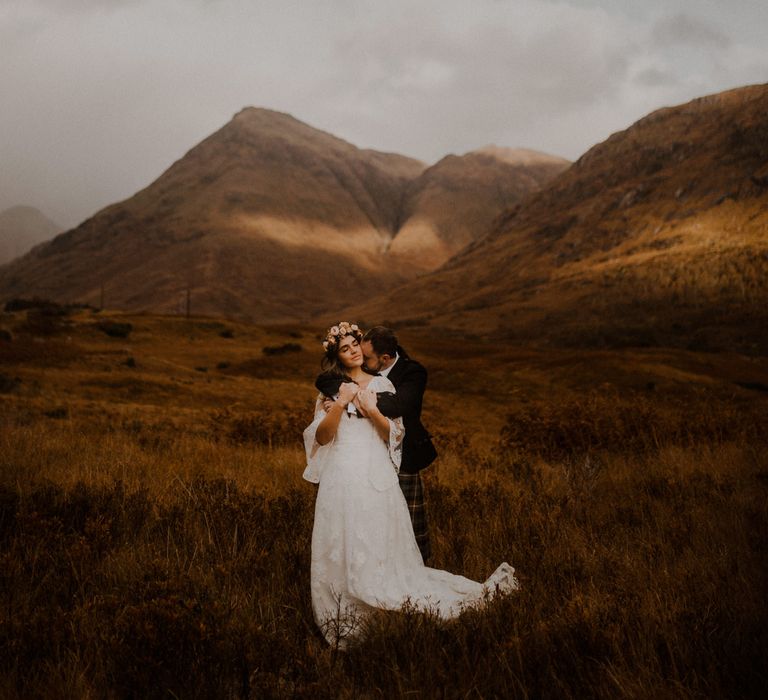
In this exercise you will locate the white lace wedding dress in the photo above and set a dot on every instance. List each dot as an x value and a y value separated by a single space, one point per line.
364 553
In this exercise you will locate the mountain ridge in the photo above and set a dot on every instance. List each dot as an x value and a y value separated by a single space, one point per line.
656 235
257 218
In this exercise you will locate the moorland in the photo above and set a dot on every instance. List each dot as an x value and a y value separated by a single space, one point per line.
155 529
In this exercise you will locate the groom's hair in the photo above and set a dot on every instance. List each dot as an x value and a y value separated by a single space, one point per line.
383 340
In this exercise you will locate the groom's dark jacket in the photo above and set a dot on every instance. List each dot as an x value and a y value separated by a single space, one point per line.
410 380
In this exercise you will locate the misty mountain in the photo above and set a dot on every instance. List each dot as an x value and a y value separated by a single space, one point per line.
22 228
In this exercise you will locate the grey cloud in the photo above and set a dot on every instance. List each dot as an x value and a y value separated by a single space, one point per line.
483 84
69 6
655 77
684 29
105 100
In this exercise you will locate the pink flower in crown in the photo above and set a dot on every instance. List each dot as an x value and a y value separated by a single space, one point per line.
339 331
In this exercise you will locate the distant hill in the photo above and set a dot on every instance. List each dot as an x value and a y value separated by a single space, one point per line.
269 219
21 228
449 203
658 235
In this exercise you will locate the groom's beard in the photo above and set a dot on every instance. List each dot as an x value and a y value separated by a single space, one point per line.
372 366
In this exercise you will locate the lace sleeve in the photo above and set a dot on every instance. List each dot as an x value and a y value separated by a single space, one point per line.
315 452
396 427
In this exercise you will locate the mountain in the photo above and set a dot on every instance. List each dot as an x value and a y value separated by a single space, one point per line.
658 235
267 218
21 228
449 203
270 219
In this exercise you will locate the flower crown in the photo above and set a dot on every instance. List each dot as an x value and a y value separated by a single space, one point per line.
336 333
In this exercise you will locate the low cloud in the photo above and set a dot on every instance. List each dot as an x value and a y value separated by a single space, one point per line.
683 29
655 77
106 95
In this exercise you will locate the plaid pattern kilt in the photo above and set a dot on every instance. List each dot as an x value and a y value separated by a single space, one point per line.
413 490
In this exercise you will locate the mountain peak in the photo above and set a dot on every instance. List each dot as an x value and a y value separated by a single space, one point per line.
518 156
266 125
22 227
263 115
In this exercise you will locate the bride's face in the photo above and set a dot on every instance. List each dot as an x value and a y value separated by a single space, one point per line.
350 354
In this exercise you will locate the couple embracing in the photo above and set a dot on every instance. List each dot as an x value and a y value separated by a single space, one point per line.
365 448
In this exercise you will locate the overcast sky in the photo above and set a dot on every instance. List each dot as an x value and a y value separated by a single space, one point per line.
98 97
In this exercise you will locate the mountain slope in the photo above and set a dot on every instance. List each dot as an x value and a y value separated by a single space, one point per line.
450 203
658 235
21 228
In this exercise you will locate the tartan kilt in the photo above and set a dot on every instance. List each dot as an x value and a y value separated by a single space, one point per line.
413 490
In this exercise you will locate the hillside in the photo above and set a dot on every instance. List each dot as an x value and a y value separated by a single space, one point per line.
450 202
22 228
658 235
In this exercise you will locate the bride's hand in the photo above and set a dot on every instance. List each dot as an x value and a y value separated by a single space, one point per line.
366 399
347 392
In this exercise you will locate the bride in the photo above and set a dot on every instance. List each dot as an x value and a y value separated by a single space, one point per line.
364 553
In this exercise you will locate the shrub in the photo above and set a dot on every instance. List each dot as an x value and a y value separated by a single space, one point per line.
281 349
44 321
8 383
50 307
115 329
261 427
627 423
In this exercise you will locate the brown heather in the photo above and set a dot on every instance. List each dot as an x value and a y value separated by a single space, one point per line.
155 531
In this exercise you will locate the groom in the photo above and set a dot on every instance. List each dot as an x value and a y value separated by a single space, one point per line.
384 355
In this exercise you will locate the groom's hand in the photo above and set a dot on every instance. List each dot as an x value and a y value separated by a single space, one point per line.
365 401
359 406
347 392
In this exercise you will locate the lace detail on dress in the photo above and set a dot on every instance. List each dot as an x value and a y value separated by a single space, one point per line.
315 452
395 444
396 427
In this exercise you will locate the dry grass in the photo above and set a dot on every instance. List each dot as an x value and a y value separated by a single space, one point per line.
155 534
